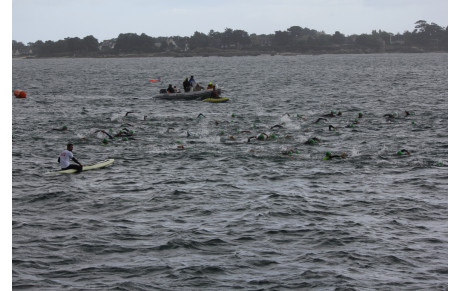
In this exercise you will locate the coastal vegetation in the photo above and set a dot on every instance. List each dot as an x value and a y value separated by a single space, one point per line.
425 37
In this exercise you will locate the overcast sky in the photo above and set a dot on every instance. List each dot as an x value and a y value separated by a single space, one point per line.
34 20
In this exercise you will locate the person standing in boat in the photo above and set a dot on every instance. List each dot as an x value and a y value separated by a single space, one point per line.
192 82
186 84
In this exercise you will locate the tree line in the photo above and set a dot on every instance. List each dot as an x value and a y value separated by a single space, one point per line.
425 37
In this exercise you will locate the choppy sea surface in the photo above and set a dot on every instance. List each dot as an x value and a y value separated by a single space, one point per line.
225 213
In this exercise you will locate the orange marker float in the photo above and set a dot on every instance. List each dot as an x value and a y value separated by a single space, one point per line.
20 93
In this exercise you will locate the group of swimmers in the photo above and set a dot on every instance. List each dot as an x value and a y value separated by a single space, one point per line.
126 134
315 140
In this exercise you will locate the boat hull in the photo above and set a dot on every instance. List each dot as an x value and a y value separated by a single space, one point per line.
192 95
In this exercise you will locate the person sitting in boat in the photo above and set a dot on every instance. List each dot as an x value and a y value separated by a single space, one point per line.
210 85
170 89
186 84
198 87
214 93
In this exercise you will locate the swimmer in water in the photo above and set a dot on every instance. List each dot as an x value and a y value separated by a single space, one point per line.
403 151
276 126
332 128
390 115
331 114
331 156
125 132
200 115
360 115
301 117
289 152
313 140
409 113
126 115
319 119
103 131
262 136
64 128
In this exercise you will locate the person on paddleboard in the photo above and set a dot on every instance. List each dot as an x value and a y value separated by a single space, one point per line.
66 156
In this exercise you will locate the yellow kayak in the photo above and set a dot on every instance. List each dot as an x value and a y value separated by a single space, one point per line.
216 100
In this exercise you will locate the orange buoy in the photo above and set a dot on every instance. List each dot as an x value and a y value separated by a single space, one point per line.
20 93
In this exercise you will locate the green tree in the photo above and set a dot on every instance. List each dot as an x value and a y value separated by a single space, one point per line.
199 39
295 32
241 38
215 38
281 38
133 43
368 41
19 47
90 43
338 38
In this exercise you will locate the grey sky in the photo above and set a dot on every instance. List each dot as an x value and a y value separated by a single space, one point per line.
34 20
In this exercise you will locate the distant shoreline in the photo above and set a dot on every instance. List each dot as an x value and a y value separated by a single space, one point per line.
233 53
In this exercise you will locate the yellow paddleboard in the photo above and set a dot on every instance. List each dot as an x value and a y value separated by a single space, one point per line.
86 167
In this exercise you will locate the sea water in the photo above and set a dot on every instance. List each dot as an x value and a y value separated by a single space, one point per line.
228 211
